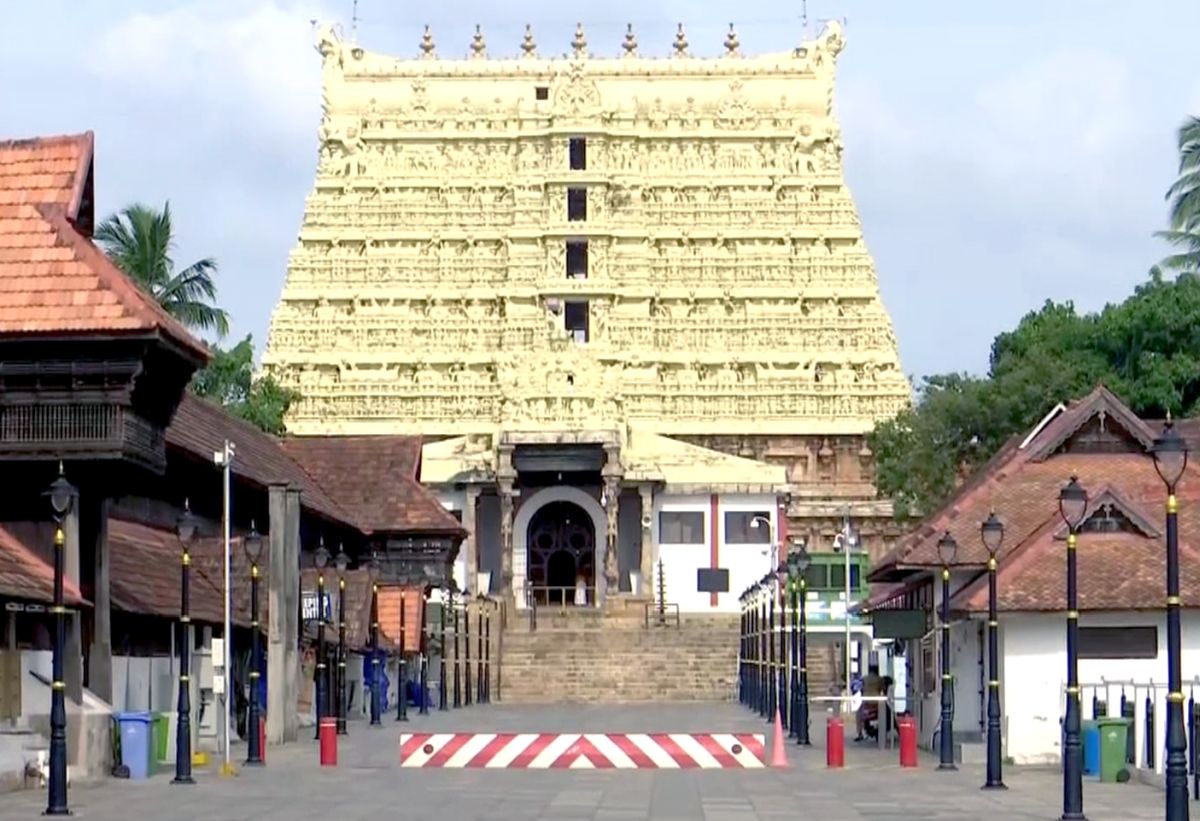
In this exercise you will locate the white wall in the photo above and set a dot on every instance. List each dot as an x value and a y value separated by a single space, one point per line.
1034 676
746 563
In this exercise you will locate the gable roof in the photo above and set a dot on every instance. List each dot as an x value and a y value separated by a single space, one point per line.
1010 474
200 427
1118 569
145 579
53 280
375 479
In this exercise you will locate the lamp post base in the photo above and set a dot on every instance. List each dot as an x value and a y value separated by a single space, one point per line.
998 786
947 767
187 779
1073 816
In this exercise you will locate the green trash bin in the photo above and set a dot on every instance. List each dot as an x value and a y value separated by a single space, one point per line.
1113 734
158 746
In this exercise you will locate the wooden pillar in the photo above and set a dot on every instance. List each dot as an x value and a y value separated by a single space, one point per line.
647 558
95 529
470 543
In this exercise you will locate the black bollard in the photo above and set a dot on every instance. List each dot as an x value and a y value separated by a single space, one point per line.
467 652
402 672
479 657
457 671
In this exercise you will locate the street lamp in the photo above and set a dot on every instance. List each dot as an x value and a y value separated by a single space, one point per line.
798 568
762 521
341 561
186 529
320 559
991 532
62 496
376 674
443 704
785 693
845 541
1072 505
947 549
253 544
1170 459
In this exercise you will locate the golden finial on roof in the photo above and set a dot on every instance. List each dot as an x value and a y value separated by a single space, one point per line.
427 46
681 43
630 44
527 45
478 47
732 45
579 42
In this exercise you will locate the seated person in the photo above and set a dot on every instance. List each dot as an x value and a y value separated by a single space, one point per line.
872 686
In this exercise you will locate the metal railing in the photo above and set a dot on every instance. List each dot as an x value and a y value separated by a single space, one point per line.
663 614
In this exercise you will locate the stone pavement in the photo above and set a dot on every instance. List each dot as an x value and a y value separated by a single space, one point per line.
370 784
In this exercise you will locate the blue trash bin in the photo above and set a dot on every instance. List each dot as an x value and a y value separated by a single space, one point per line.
1091 748
135 743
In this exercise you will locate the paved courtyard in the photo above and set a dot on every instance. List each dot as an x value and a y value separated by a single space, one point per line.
370 784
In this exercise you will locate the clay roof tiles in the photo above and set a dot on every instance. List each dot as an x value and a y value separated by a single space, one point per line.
374 479
52 278
27 572
1121 569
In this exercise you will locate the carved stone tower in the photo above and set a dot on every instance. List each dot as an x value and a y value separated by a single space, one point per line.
583 248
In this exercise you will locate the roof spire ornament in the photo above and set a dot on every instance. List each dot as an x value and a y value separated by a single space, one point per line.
527 45
478 47
733 47
579 42
427 46
681 43
630 44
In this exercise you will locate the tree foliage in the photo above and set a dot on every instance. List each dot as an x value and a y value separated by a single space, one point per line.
1184 196
139 240
229 380
1145 349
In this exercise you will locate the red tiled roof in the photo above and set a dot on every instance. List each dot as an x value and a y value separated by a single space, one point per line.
375 479
52 278
207 562
26 573
1117 570
389 616
201 427
144 575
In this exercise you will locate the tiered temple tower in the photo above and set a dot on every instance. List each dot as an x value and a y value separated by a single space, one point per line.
638 281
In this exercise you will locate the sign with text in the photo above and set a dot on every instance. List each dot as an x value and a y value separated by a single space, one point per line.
308 605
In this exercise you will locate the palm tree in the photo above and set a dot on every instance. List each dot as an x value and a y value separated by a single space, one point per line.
1184 196
139 241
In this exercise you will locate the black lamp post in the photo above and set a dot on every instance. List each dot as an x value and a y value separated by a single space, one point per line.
947 550
341 561
186 530
1072 506
798 567
1170 459
992 534
253 544
780 592
443 704
320 560
457 647
402 670
62 496
376 673
768 583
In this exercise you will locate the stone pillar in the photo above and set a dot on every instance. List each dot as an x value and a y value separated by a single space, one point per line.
282 627
647 562
73 654
95 528
470 545
505 477
611 473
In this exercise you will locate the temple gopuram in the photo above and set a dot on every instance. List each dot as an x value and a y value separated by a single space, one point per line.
626 301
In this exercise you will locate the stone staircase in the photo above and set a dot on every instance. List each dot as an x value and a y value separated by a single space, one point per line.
589 656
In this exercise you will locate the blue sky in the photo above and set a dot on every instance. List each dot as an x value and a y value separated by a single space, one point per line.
1000 153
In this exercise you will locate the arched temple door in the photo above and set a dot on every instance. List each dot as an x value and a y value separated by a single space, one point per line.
562 555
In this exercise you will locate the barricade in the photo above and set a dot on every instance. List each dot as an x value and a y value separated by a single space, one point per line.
906 728
582 750
327 731
835 742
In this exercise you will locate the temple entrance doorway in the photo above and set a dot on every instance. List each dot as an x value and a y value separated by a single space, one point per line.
562 555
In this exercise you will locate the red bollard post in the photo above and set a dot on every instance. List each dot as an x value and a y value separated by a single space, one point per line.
262 738
906 726
328 733
835 742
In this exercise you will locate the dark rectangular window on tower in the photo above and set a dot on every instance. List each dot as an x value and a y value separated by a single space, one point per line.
578 150
541 92
577 259
575 320
576 204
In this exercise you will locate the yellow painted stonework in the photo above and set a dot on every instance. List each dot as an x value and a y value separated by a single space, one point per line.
728 287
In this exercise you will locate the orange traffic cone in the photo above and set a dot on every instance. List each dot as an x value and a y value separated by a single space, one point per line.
778 748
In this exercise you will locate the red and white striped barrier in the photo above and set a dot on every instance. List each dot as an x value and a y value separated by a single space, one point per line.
598 751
